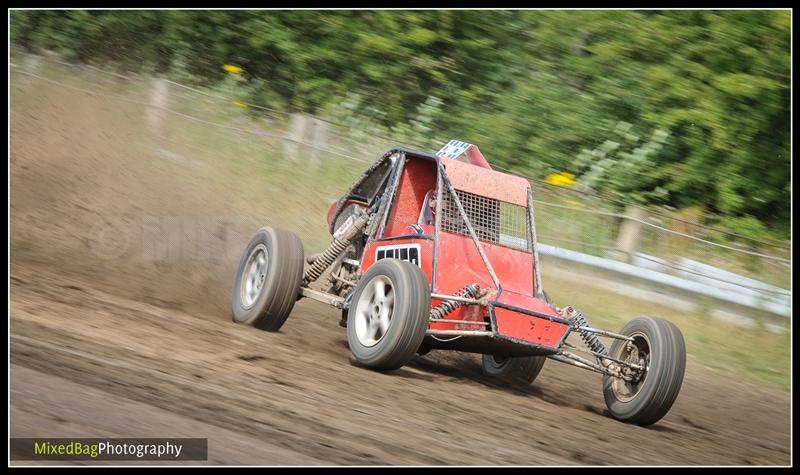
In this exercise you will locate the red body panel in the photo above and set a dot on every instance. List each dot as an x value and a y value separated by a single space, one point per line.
331 211
452 261
460 263
520 326
484 182
419 177
476 157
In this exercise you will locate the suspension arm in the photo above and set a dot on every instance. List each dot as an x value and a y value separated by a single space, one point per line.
575 360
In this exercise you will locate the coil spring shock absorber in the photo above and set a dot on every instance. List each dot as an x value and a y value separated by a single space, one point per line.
590 339
341 239
439 311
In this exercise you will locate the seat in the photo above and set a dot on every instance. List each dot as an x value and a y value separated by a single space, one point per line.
426 213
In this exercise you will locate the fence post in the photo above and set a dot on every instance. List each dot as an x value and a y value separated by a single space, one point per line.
305 133
630 233
295 135
158 100
319 137
30 64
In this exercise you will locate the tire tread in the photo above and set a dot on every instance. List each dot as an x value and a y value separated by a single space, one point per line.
280 293
666 373
414 314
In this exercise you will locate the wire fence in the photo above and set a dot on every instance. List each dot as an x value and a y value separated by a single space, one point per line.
566 217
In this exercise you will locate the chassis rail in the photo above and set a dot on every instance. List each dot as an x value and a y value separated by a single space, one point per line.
563 356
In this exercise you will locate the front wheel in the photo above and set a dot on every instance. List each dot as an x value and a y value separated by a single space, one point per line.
268 279
658 347
388 314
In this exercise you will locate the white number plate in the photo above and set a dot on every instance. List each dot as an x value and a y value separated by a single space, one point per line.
453 149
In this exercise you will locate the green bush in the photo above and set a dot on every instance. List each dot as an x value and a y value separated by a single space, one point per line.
532 88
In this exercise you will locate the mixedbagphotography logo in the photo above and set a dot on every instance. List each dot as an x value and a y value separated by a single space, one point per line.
108 449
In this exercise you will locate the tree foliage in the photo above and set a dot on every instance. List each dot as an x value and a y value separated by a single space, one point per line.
536 90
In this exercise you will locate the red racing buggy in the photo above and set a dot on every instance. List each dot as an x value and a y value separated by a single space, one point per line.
439 251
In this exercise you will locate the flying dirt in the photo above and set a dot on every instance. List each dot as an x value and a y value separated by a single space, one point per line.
123 259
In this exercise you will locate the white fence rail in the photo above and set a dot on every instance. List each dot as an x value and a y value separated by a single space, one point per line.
743 297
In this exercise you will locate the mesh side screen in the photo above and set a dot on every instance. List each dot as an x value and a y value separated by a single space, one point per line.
494 221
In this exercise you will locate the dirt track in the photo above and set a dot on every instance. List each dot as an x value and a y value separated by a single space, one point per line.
147 331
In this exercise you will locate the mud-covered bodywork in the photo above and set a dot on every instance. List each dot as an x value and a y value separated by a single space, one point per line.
490 242
439 251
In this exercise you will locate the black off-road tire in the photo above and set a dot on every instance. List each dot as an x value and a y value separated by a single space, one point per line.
282 276
410 313
646 402
515 371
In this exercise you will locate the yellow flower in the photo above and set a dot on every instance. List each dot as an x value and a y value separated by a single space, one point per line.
240 104
231 68
561 179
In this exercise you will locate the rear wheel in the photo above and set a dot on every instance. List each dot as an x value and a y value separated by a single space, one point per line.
659 348
268 279
517 371
388 314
